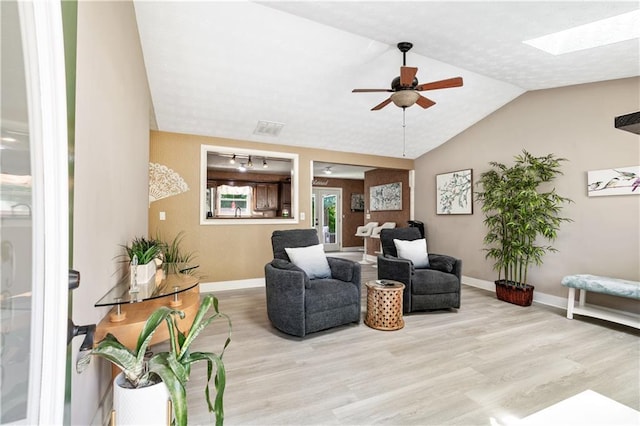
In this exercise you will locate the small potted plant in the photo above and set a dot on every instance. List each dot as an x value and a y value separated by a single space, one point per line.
144 255
520 210
164 372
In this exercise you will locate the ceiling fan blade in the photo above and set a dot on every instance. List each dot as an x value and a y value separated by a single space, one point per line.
406 76
442 84
425 102
381 104
370 90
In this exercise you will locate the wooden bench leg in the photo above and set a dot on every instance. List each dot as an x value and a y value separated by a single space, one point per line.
571 299
582 297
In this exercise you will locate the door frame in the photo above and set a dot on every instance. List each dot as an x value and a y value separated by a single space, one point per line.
43 48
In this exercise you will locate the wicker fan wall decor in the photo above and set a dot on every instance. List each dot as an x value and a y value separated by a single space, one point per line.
164 182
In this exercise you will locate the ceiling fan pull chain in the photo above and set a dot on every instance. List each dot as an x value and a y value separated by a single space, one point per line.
404 131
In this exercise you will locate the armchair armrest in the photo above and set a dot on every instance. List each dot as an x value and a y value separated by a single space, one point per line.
445 263
394 268
345 270
285 289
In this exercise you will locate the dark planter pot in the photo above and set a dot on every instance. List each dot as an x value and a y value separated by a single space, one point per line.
509 292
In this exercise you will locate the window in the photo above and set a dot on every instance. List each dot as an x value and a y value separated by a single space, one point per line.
234 201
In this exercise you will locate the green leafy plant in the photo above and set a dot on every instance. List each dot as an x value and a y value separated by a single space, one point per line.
172 367
175 259
144 249
518 211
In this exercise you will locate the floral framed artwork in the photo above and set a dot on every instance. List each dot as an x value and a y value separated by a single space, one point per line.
385 197
618 181
454 192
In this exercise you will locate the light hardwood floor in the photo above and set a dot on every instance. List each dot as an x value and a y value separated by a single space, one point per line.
487 360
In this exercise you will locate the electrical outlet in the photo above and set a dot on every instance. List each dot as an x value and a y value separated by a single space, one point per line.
163 216
302 215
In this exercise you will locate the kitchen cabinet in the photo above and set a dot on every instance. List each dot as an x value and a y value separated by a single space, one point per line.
266 196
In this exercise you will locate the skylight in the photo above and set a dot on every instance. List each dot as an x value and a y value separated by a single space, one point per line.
599 33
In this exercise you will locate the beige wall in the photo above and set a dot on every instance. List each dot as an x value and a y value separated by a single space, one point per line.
232 252
573 122
111 171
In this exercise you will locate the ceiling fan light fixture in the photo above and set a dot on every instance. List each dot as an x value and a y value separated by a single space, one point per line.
405 98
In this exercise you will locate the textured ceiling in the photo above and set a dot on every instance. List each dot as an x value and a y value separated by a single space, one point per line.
217 68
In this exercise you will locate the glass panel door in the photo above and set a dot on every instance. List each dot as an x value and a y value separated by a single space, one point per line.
16 224
33 203
327 215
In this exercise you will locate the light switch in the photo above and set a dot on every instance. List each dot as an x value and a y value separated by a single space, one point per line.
163 216
302 215
368 216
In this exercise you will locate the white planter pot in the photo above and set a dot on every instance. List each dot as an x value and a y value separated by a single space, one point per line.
144 406
144 272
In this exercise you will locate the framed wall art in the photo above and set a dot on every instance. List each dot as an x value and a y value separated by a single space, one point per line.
618 181
454 192
357 202
385 197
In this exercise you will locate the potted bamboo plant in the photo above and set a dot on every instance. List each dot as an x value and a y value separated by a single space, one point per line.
164 373
521 212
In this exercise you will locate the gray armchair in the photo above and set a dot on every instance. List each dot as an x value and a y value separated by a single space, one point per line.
431 288
298 305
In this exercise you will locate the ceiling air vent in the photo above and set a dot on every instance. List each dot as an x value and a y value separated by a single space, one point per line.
629 122
268 128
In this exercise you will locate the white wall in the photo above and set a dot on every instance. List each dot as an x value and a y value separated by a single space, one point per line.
573 122
111 171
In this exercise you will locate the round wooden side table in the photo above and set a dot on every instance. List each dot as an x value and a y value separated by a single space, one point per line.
384 305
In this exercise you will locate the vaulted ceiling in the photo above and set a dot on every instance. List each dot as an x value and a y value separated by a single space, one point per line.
217 68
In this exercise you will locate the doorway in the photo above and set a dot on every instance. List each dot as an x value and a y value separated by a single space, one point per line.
326 208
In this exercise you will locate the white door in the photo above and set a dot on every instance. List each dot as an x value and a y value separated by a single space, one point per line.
33 203
326 204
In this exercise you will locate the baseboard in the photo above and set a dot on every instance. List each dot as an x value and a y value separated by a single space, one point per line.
542 298
212 287
538 297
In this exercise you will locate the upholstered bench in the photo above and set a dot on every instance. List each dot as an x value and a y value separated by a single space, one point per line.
605 285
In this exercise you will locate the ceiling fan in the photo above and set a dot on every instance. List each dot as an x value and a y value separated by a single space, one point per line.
405 87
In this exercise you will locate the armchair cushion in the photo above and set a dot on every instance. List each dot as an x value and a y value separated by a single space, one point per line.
415 251
430 281
327 294
310 259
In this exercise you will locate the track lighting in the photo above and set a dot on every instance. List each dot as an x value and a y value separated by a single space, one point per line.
242 167
264 163
327 171
249 163
233 159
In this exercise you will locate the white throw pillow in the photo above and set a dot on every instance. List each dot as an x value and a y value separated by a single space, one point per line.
310 259
415 251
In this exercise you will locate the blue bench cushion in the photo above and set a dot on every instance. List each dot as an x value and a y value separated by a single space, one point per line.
606 285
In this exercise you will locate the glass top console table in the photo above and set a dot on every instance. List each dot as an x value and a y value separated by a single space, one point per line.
123 294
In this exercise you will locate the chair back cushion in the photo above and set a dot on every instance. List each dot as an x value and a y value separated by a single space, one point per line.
292 238
388 235
414 250
311 260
